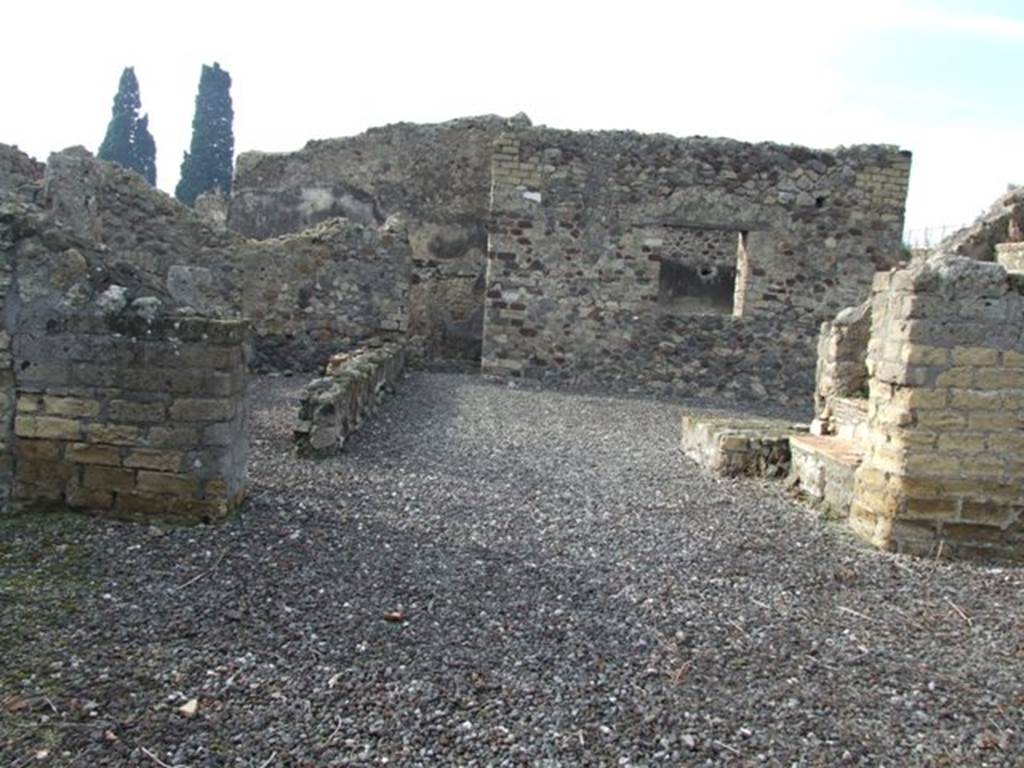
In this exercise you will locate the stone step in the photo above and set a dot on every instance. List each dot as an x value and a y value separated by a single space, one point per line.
738 444
850 418
823 469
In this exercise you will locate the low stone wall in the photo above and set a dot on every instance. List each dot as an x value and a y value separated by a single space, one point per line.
944 465
823 470
738 445
335 405
134 419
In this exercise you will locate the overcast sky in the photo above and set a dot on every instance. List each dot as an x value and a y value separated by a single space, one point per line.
939 78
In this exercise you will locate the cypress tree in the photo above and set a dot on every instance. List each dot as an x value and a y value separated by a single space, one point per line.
208 163
128 141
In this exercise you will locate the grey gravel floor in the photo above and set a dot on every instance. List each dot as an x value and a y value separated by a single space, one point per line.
493 576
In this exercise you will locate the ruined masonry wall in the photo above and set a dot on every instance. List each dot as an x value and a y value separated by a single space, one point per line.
141 421
436 177
307 294
842 358
578 231
945 459
334 406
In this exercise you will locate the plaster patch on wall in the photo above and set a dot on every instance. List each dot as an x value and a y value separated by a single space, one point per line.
315 200
533 197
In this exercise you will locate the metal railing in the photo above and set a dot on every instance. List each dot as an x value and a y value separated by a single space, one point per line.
929 237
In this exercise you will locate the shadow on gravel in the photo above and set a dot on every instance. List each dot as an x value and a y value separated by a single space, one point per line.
494 576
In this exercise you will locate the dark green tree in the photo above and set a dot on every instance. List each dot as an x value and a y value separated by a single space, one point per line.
128 141
207 164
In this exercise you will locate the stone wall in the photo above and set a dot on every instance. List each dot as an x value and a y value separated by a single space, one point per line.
335 406
736 445
307 294
944 466
1002 222
842 370
437 177
20 174
584 227
137 418
326 288
114 397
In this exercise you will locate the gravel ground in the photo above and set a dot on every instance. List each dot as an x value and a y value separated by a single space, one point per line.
495 576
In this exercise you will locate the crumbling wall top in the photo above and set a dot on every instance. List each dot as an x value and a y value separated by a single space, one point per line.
1002 222
20 174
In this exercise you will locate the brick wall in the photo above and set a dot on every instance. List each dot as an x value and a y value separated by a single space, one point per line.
133 419
945 460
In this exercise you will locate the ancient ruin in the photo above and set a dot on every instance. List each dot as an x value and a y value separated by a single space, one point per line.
685 266
678 267
916 441
692 266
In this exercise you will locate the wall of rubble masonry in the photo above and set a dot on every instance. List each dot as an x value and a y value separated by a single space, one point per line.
694 266
307 294
436 177
334 406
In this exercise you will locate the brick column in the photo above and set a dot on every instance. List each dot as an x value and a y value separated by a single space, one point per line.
945 461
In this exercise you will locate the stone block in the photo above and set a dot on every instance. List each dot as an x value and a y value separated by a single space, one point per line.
43 471
167 483
977 465
916 508
975 399
130 411
87 453
89 498
202 409
919 398
974 533
146 506
991 421
989 513
999 378
825 470
177 436
960 377
70 406
159 460
962 442
112 434
108 478
1013 358
28 403
47 427
39 450
976 356
937 464
919 354
206 356
941 419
